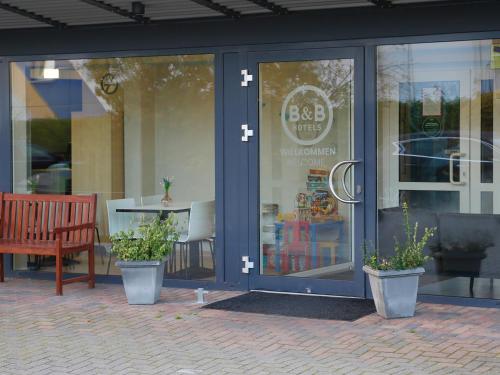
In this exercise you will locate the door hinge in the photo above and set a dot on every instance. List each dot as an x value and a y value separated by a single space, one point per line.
246 133
246 77
247 265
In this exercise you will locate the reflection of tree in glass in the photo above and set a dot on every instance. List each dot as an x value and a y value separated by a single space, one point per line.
334 77
186 73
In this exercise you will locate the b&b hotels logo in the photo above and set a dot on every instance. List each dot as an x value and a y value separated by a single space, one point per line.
307 115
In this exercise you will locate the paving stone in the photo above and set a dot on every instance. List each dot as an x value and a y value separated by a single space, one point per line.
97 332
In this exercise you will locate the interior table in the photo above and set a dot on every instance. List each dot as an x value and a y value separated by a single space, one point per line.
159 208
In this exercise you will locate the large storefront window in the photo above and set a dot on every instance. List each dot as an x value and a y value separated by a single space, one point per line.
118 126
439 151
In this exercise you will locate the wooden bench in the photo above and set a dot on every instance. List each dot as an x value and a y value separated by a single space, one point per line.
52 225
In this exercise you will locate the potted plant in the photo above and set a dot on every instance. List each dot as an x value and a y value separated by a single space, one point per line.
394 279
142 256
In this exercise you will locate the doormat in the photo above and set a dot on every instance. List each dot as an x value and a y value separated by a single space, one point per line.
299 306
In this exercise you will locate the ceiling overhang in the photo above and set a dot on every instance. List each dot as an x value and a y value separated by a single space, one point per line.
61 14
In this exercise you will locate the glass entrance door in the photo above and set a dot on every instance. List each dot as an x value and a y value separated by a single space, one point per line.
306 171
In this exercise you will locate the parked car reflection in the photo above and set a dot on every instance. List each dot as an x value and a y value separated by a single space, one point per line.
430 159
50 173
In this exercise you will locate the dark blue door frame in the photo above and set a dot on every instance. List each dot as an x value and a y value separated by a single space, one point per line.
355 287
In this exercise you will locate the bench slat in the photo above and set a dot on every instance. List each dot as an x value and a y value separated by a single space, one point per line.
25 218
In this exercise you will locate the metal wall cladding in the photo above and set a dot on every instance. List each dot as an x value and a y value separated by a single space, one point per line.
78 12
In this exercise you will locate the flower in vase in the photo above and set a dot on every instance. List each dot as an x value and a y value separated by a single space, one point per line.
167 183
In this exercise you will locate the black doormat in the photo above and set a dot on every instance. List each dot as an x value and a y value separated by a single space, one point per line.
313 307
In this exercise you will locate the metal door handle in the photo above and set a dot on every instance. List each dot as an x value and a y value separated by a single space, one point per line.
348 164
456 155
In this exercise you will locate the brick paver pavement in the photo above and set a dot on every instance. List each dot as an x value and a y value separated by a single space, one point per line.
96 332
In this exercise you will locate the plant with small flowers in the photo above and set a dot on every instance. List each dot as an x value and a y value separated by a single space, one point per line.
406 256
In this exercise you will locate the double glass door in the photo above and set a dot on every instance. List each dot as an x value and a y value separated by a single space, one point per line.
306 171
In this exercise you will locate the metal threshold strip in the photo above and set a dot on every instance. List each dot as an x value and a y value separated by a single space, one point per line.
303 294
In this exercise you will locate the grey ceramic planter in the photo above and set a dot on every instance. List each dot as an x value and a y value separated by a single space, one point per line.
142 280
394 292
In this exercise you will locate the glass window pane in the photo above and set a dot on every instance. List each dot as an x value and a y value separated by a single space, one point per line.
438 106
118 126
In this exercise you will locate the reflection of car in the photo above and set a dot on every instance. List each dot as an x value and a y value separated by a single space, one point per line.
41 158
442 148
50 173
430 159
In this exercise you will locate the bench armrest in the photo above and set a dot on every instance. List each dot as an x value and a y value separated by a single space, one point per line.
73 228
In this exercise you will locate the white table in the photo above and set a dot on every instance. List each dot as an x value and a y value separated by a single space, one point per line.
158 208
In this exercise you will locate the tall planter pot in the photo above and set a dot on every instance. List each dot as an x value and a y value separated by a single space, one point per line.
142 280
394 292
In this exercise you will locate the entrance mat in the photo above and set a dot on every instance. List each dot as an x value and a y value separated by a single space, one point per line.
299 306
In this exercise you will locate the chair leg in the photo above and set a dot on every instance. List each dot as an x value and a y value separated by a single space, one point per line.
186 259
1 269
99 242
177 251
181 257
91 281
201 254
109 260
212 253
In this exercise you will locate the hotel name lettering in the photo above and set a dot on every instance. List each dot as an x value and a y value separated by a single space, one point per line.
306 119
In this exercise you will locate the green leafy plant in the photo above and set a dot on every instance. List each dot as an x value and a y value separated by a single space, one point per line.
154 241
408 255
167 183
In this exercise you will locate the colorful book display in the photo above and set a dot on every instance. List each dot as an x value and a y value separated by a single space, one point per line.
316 204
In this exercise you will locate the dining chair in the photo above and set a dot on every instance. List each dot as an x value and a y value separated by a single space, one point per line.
121 221
200 229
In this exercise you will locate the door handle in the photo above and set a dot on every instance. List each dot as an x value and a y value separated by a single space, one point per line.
456 155
349 164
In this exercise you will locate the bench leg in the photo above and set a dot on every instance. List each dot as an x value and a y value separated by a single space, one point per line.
59 271
1 269
91 267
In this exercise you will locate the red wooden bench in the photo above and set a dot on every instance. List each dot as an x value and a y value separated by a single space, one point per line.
54 225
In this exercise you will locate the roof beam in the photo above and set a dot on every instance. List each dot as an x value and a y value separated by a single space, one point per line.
117 10
273 7
382 3
32 15
218 8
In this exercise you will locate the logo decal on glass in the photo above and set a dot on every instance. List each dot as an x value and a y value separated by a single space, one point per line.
109 84
432 127
307 115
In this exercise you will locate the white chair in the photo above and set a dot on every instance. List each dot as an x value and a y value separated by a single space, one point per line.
121 221
200 229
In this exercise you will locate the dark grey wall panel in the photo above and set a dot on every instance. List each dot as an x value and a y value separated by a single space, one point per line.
5 132
360 23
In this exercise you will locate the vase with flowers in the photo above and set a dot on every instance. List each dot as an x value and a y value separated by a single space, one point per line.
166 184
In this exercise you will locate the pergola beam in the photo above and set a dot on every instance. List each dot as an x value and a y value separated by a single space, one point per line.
382 3
273 7
117 10
32 15
218 8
